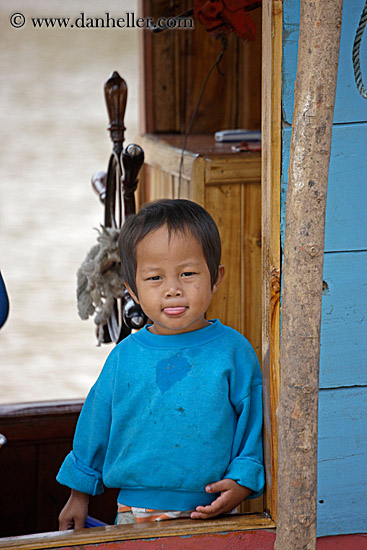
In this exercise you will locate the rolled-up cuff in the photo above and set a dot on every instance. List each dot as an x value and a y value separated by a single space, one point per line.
248 473
76 475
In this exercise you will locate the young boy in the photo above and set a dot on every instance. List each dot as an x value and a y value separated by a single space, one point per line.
174 420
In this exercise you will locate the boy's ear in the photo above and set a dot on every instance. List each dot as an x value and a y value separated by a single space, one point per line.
221 273
132 294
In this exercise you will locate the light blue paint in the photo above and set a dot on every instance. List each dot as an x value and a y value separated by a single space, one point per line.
171 370
342 467
343 346
346 212
343 353
342 461
349 105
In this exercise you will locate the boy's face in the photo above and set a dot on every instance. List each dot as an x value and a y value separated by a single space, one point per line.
173 281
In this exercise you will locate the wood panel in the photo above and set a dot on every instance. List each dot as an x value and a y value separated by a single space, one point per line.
344 323
270 180
159 78
160 185
29 428
342 480
39 437
157 184
236 208
218 108
346 227
165 153
18 467
343 342
224 204
237 169
249 77
174 67
51 496
198 176
251 283
349 104
142 531
342 421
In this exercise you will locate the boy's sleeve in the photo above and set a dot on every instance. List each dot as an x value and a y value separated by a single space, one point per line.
246 466
82 468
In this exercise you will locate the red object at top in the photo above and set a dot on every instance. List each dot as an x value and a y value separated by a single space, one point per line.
223 16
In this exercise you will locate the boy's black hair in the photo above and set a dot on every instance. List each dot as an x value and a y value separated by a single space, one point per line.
179 215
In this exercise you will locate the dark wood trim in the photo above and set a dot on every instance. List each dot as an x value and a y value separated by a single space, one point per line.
178 528
42 420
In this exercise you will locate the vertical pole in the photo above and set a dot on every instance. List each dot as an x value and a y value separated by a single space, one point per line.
297 413
271 121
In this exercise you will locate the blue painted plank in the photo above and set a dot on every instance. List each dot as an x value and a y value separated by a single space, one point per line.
346 219
342 462
343 352
349 105
343 345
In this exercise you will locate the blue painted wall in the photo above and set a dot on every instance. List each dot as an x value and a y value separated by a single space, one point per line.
342 483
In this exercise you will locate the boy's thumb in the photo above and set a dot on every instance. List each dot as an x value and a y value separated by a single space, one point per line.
217 487
213 487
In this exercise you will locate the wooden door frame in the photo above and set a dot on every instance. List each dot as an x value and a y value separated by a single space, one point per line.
271 254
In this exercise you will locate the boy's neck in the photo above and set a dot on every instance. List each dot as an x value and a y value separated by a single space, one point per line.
153 329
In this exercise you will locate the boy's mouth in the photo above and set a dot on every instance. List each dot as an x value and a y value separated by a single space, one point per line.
173 311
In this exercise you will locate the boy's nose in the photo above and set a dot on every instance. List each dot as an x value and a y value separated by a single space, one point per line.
173 292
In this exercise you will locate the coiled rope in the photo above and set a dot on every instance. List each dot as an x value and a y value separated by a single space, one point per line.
356 53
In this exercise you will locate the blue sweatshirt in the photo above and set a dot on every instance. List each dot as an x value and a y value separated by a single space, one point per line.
167 416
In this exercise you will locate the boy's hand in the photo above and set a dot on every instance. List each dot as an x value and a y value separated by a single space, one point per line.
232 494
75 512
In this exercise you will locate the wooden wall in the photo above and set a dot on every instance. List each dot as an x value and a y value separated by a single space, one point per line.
342 484
39 436
174 65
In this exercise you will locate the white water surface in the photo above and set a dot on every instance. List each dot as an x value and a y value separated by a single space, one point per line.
53 138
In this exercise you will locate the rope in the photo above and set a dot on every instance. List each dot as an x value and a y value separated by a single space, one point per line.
99 280
356 53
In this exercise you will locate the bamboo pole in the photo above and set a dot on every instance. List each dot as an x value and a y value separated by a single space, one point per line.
297 413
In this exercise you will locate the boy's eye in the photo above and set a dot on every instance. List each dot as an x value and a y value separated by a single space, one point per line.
154 278
188 274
